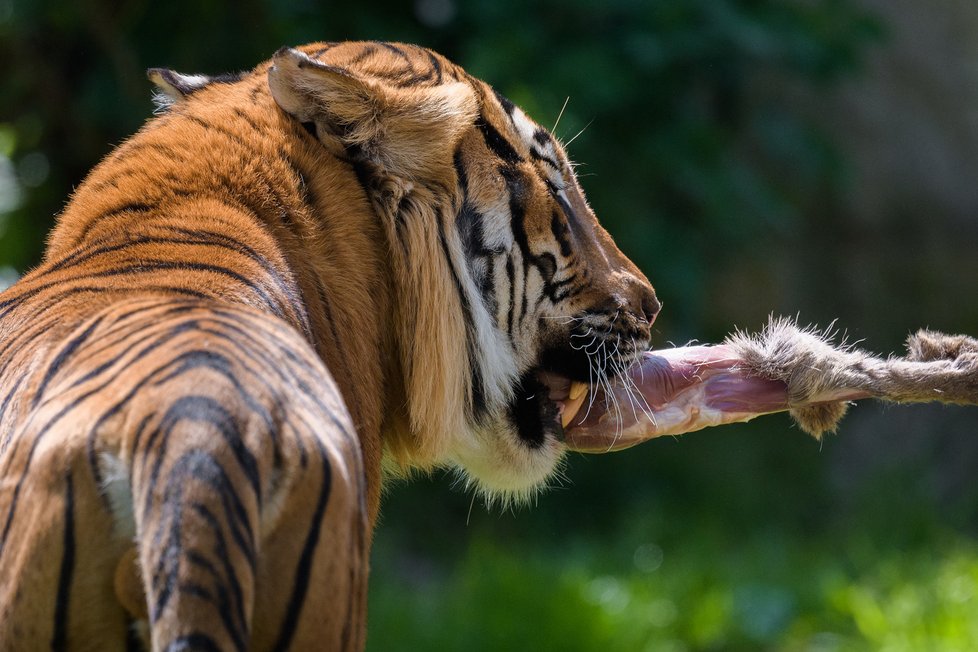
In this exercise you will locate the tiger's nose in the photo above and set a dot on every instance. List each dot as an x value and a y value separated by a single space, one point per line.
638 306
650 306
640 300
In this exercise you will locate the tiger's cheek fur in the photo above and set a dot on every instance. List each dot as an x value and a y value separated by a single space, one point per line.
540 272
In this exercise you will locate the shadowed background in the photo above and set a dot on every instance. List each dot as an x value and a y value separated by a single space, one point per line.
752 156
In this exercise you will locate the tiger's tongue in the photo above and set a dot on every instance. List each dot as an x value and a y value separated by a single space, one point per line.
669 392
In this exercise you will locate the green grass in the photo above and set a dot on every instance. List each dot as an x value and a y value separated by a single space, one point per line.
748 538
704 592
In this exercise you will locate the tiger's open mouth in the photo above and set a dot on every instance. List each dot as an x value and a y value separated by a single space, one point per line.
545 404
569 395
552 398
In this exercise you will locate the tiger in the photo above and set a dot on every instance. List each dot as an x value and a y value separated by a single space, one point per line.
354 261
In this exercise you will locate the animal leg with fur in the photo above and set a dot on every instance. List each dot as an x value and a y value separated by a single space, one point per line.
782 368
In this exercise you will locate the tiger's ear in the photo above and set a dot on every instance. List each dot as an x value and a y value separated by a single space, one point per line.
176 86
407 131
173 87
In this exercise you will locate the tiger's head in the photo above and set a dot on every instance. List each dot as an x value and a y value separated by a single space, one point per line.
510 296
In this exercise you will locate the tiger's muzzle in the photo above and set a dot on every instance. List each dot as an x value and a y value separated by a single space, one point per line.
599 345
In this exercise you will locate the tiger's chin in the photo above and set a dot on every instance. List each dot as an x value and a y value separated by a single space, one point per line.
512 457
496 463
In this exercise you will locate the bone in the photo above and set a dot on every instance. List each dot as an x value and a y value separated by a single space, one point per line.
782 368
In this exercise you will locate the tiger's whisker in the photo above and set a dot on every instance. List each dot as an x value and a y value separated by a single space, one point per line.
560 115
568 143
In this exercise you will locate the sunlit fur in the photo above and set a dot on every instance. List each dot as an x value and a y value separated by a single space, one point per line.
353 255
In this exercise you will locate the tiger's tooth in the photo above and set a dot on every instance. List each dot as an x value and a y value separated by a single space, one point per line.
571 407
577 390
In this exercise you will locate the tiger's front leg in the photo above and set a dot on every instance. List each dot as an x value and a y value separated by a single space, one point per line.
221 448
238 545
247 494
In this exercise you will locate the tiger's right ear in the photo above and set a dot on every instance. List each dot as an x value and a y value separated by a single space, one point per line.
309 89
406 131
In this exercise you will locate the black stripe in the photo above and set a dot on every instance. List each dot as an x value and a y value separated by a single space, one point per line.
201 593
57 301
114 176
60 637
149 266
539 156
102 218
128 331
25 466
526 288
15 342
260 127
397 51
133 642
569 213
487 288
161 339
291 294
197 558
505 102
232 615
271 371
207 410
496 143
227 77
365 53
224 131
128 207
174 153
62 357
219 363
477 386
167 553
166 309
511 275
435 66
194 642
287 286
516 186
469 224
545 263
195 466
303 570
6 403
469 221
542 136
562 234
323 50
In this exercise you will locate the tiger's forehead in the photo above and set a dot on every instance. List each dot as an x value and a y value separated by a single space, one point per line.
544 148
525 127
537 141
401 65
534 137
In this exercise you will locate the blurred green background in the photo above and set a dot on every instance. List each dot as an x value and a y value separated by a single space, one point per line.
811 157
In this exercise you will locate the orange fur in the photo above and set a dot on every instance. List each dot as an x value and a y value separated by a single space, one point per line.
287 278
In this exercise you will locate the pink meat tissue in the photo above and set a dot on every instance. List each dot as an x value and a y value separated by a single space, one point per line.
783 368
